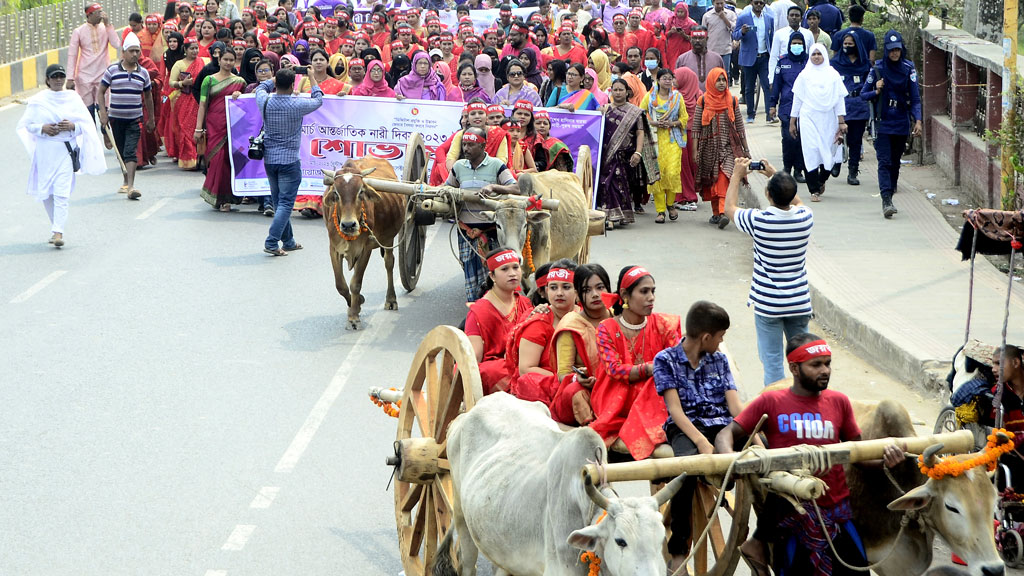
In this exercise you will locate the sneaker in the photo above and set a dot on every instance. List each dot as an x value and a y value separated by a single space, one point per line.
773 120
689 207
750 119
268 211
801 178
723 221
888 210
53 237
836 169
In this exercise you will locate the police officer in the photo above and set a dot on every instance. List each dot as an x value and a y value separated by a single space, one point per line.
781 102
852 63
892 84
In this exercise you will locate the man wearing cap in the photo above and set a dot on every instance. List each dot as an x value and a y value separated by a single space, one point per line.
88 54
477 171
55 127
131 91
699 58
805 413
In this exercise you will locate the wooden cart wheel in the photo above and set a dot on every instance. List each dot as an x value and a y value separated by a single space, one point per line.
585 172
443 381
413 236
723 548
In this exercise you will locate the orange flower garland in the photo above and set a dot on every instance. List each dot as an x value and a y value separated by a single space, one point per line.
389 408
528 254
594 561
951 466
362 222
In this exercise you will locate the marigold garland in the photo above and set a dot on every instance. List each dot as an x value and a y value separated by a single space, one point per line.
528 253
362 222
389 408
951 466
594 562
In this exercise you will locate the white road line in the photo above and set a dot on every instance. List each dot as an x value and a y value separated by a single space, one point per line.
50 279
316 416
149 212
239 536
216 573
265 497
9 106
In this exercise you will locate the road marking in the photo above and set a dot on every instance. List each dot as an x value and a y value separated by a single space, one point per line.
265 497
216 573
319 412
239 536
149 212
50 279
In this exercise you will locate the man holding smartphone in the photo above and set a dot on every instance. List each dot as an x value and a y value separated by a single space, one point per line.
779 291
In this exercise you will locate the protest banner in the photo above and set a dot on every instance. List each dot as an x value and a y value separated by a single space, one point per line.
482 19
355 126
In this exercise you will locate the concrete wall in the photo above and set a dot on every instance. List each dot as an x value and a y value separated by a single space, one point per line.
29 74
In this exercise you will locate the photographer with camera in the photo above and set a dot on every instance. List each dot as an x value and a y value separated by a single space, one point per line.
282 129
778 291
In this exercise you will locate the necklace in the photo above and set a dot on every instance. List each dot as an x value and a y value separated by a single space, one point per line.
629 326
511 313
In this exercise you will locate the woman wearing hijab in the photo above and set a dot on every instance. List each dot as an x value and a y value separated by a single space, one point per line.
677 32
374 83
55 122
853 65
247 66
301 52
541 33
600 64
720 138
452 92
590 83
484 74
780 102
422 83
819 108
667 113
167 127
186 108
400 66
469 85
529 58
688 86
517 88
338 67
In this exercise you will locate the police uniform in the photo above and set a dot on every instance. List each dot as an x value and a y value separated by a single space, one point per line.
897 106
786 72
857 110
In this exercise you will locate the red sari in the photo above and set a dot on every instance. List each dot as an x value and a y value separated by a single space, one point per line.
531 386
485 321
439 173
633 412
149 142
584 338
217 187
186 112
675 44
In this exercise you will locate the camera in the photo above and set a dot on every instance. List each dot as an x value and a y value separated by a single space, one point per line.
756 165
256 147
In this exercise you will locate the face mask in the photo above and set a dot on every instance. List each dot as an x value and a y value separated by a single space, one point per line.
615 77
651 64
796 49
849 50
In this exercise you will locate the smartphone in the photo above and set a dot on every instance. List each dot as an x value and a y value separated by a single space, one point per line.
300 69
756 165
581 372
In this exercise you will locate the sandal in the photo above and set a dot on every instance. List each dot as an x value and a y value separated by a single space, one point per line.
124 189
134 194
672 214
293 248
225 208
609 225
815 197
275 252
660 219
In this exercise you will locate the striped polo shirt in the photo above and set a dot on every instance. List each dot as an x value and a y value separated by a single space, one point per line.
779 285
126 90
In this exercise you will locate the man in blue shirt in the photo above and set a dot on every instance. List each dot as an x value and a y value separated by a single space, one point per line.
864 38
831 17
282 132
755 29
701 397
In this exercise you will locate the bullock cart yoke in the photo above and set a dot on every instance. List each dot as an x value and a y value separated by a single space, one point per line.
444 381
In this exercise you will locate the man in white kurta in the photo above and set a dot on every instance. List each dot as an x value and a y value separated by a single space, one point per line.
56 123
89 53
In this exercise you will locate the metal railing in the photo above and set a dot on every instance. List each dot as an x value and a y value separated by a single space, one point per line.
30 32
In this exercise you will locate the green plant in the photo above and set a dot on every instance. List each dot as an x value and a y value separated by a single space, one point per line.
11 6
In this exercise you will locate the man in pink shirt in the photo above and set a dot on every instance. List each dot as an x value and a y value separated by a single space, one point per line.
88 54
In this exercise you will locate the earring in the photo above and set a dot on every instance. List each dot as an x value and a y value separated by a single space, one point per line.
625 305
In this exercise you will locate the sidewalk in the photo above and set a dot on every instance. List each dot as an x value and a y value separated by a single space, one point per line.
894 289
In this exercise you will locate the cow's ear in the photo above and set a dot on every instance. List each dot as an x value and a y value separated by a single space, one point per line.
585 538
916 499
371 194
487 215
536 217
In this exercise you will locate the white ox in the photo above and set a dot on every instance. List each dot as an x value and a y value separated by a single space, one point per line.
958 509
519 498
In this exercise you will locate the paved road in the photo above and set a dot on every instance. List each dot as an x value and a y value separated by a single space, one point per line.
178 403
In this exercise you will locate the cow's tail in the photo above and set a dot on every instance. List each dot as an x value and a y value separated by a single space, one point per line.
443 564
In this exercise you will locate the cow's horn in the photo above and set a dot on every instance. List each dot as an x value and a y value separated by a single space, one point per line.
670 489
328 177
367 172
600 499
930 452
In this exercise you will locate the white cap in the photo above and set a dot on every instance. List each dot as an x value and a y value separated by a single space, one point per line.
131 41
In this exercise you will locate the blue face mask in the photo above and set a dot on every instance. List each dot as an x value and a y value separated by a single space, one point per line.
796 49
651 64
615 77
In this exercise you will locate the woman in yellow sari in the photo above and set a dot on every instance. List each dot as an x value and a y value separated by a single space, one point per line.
667 112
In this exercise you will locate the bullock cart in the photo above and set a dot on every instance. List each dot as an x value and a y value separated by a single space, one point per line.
426 203
444 381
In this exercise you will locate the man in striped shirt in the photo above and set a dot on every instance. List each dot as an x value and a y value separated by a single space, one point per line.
778 291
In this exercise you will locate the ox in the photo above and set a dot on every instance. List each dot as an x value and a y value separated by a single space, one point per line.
520 499
959 509
360 219
560 234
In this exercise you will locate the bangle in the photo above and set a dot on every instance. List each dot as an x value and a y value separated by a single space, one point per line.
636 154
199 130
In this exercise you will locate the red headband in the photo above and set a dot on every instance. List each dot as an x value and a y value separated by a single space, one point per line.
618 17
397 44
152 19
632 276
809 351
542 282
470 137
476 106
503 257
191 40
239 43
495 108
538 114
560 275
92 8
356 62
276 42
523 105
698 34
170 26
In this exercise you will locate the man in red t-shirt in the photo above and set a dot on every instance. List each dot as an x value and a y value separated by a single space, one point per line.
805 413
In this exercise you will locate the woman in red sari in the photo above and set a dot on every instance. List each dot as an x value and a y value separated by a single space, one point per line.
186 108
213 116
624 398
167 126
491 318
499 143
149 142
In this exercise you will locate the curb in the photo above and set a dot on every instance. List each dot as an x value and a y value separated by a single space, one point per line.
927 374
30 73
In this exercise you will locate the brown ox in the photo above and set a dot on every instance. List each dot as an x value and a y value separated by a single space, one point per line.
959 509
359 220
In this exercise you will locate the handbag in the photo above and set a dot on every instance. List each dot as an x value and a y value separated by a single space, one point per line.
256 146
76 162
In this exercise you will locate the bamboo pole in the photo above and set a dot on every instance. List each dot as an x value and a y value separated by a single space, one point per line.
786 459
409 189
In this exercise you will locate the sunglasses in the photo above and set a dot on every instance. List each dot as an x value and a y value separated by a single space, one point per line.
514 74
57 76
